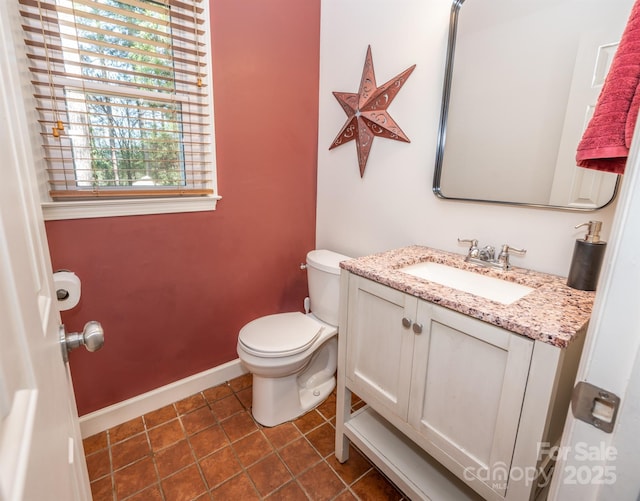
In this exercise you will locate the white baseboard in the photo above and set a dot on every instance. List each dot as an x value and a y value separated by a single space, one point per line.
116 414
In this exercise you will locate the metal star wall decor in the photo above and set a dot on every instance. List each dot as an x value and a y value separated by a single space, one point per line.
367 115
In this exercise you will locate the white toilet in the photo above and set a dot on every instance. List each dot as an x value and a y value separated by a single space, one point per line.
293 356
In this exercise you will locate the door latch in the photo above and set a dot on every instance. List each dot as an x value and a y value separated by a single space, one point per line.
595 406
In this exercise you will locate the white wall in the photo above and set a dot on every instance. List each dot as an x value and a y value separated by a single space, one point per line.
393 205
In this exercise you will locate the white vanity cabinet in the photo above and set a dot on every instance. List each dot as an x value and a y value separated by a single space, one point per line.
379 347
456 407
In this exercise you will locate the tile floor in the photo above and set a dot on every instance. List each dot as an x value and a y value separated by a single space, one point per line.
208 447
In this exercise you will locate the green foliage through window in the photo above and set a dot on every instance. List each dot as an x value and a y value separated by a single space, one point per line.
132 140
123 96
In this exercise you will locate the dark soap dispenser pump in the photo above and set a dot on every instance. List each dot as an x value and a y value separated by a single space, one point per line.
587 258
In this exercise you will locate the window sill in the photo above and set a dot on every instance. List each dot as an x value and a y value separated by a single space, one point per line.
54 211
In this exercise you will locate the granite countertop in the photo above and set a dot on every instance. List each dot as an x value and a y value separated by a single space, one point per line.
553 313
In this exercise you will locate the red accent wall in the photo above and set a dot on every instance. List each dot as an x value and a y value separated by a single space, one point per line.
172 291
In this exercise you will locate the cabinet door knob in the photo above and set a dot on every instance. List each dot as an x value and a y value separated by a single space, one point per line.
406 322
417 328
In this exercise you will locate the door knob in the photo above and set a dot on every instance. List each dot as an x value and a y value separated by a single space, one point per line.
92 337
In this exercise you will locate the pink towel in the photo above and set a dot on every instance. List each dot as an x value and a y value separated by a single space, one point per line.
606 140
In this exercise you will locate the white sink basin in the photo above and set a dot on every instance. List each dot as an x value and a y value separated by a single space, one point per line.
467 281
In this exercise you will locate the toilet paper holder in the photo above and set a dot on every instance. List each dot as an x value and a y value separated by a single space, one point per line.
67 286
68 289
61 294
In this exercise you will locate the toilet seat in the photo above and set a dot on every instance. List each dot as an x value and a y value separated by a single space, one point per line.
279 335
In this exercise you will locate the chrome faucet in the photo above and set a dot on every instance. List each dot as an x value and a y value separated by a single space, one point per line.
486 255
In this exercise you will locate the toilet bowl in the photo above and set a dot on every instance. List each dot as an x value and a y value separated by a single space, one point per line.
288 379
293 356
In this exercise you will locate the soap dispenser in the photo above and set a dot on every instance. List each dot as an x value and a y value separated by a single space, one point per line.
587 258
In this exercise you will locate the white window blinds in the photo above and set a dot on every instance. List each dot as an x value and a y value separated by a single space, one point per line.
122 96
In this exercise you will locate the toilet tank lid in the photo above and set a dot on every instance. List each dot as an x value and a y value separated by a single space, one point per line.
326 260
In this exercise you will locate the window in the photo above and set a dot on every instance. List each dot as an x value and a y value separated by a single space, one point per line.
123 99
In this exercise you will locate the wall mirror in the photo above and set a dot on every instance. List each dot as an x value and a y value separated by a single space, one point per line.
521 81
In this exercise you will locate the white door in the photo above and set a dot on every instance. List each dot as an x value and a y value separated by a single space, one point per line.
41 455
574 186
595 465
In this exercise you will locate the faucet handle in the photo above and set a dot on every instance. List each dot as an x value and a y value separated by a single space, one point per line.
473 246
503 257
506 248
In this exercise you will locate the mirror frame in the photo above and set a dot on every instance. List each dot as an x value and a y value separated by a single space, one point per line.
442 130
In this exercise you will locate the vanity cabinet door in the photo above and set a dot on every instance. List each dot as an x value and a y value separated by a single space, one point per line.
468 385
379 346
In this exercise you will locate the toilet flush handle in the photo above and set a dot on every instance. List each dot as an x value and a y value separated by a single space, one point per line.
303 266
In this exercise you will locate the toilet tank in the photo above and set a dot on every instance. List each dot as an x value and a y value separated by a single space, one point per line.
323 275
